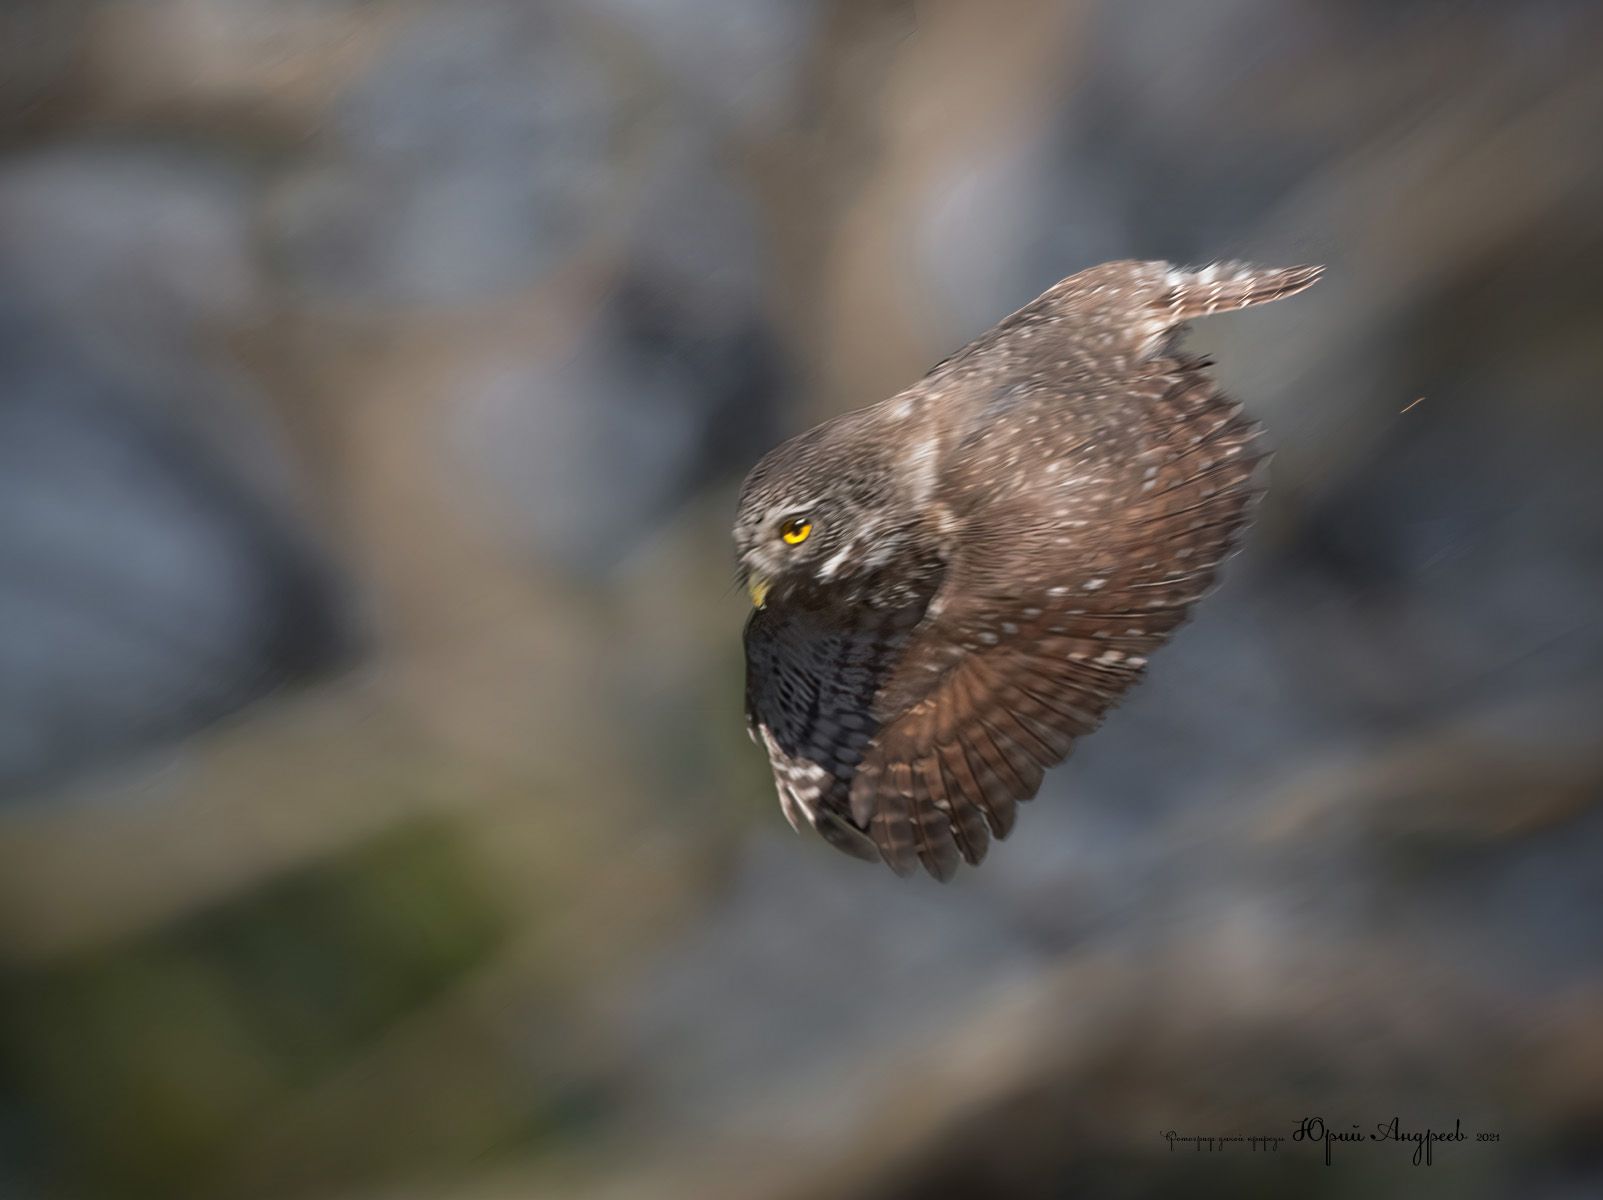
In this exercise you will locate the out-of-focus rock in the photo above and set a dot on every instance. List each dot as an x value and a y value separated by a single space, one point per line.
258 72
153 575
587 457
143 592
800 1013
140 249
466 161
40 41
589 447
741 59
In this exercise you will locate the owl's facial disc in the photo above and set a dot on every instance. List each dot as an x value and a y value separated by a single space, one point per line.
778 548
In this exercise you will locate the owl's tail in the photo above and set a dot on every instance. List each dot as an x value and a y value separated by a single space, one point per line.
1135 306
1221 287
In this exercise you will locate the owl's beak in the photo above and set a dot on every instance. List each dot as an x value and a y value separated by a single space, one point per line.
758 587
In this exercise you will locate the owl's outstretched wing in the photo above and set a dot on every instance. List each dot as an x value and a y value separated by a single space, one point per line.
1101 481
1029 643
810 688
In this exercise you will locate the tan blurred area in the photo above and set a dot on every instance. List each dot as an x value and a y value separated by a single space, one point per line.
377 818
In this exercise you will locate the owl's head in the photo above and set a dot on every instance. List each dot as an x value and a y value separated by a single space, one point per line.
815 521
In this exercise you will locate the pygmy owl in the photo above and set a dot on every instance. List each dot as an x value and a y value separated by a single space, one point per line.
954 584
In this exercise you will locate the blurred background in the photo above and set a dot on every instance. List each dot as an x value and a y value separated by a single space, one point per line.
378 820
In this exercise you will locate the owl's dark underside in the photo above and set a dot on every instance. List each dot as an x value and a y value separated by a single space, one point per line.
953 585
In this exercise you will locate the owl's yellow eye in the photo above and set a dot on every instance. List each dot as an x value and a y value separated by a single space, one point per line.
795 530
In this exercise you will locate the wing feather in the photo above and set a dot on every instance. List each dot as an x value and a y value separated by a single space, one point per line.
1010 707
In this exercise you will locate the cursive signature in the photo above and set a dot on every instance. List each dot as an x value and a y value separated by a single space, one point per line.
1314 1129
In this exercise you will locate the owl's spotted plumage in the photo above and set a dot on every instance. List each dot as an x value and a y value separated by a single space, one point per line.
955 584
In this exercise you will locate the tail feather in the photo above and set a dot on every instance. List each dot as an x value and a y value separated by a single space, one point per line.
1134 305
1222 287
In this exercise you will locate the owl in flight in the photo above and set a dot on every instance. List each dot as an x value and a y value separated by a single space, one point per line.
952 585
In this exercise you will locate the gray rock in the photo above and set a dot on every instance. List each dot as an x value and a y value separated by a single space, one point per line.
39 42
811 964
678 379
467 161
143 593
139 247
152 573
739 59
589 456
